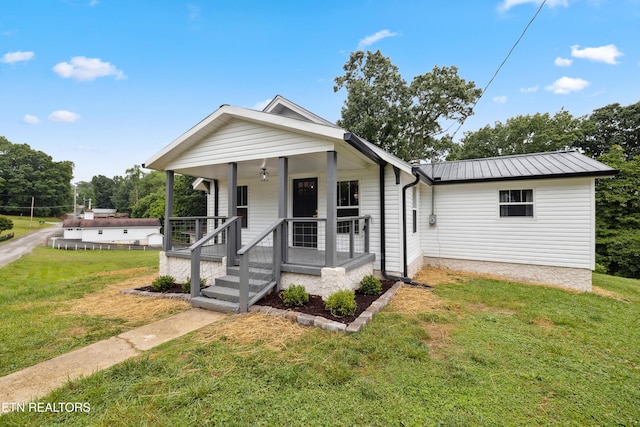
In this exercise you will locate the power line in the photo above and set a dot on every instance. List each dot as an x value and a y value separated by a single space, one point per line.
503 62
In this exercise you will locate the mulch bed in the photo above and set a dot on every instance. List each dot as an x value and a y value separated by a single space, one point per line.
176 289
315 306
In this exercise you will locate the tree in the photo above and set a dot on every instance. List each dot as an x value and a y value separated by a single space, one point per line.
186 200
5 224
27 174
406 120
612 125
521 135
103 189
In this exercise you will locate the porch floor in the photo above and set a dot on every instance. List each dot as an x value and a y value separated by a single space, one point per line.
264 254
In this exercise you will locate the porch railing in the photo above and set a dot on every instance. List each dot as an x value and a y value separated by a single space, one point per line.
352 239
260 260
182 232
225 239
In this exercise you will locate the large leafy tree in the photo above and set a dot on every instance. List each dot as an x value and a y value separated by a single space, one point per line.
27 174
186 202
103 189
405 119
612 125
521 135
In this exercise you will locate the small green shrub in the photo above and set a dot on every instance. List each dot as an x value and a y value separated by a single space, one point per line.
600 269
369 285
294 296
341 303
186 286
163 283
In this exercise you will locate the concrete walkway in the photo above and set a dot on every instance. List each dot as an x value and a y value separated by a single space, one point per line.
41 379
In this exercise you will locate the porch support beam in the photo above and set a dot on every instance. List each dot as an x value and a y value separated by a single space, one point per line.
168 210
283 197
331 259
232 208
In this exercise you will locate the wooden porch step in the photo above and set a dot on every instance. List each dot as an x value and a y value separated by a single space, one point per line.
224 294
214 304
233 282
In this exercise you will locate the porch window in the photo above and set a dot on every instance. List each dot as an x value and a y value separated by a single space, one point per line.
243 205
516 203
348 204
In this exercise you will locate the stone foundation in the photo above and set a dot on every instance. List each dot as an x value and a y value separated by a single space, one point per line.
180 268
329 281
573 278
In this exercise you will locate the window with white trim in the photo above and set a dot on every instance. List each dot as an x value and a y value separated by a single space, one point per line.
348 204
516 203
243 205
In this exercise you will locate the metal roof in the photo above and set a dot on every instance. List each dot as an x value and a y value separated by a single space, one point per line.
556 164
111 223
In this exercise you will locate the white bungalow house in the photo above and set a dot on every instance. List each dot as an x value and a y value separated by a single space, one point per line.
293 198
126 231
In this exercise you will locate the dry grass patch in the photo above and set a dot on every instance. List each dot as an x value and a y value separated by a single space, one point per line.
274 333
412 300
431 310
135 310
436 276
609 294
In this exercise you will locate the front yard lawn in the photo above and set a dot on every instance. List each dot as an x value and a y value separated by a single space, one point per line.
472 351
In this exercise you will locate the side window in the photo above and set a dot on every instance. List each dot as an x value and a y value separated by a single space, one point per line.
348 204
516 203
243 205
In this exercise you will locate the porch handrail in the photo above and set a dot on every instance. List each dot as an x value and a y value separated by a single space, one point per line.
232 224
169 227
243 257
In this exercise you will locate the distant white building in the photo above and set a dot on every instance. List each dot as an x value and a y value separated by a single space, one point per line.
127 231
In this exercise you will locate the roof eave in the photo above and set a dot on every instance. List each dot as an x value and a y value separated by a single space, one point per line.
593 174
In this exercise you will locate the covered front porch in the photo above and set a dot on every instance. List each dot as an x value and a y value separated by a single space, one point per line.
308 231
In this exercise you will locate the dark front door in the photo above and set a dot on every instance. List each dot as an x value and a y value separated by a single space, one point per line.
305 205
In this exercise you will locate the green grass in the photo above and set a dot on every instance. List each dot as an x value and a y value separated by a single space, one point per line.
35 287
23 225
517 355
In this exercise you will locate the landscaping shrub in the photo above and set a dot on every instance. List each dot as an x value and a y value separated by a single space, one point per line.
163 283
294 296
341 303
369 285
186 286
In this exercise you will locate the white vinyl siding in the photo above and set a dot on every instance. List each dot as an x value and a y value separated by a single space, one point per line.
241 140
469 225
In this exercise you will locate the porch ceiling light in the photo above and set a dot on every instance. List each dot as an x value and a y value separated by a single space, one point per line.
264 175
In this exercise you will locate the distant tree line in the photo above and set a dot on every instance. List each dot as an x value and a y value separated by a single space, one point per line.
142 194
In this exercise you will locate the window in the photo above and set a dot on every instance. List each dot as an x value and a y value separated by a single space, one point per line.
516 203
243 205
348 204
125 231
99 231
415 208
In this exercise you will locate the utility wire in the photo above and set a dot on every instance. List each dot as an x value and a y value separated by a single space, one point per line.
503 62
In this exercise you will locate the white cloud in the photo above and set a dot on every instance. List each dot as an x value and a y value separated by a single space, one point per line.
565 85
529 89
83 68
30 120
563 62
508 4
194 12
500 99
369 40
606 54
63 116
261 105
13 57
93 3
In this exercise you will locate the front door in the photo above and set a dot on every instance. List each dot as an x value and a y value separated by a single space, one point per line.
305 205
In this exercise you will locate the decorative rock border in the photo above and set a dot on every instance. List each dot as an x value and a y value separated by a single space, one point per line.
332 325
183 297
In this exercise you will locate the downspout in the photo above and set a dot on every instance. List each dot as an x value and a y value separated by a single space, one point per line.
404 220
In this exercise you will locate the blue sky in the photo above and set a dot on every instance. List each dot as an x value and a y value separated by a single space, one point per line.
108 83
